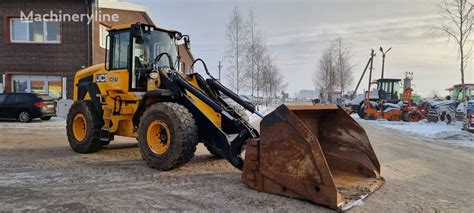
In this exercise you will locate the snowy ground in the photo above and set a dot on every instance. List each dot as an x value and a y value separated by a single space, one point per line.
55 122
442 132
254 119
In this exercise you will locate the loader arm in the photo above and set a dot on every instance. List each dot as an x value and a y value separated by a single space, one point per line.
208 131
184 92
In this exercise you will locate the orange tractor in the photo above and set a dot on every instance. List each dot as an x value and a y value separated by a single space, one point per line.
389 106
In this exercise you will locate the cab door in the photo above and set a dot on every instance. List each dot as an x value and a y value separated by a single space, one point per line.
118 76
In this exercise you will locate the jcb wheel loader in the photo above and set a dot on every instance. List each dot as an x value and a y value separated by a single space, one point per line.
315 153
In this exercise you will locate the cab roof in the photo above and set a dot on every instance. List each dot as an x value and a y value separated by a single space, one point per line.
129 26
460 85
388 80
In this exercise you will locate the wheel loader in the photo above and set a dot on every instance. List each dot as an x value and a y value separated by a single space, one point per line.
314 153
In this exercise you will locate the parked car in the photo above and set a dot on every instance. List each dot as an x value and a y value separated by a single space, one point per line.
25 107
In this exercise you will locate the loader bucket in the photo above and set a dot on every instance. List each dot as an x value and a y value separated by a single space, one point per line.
315 153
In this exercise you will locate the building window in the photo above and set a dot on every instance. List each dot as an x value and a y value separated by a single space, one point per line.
29 31
20 86
55 89
103 33
50 85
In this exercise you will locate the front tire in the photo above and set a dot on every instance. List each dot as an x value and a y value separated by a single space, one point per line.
167 136
83 128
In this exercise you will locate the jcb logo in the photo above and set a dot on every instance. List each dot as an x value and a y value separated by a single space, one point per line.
101 78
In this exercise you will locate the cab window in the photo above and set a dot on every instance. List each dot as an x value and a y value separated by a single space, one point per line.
119 51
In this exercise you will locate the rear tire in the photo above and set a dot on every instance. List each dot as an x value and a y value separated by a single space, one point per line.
167 136
405 117
449 119
24 117
442 117
46 118
432 119
83 128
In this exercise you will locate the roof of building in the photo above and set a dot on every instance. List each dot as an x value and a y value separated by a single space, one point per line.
123 5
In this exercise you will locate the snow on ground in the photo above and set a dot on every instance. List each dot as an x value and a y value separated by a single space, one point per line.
442 132
55 122
254 119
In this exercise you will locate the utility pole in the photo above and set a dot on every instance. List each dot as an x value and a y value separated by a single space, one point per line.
372 55
220 67
383 59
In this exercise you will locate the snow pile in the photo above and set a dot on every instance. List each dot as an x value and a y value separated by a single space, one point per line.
55 122
254 118
441 131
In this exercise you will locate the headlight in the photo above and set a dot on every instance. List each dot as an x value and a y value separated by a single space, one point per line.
154 75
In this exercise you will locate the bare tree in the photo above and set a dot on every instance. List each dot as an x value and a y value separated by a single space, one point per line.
255 51
236 35
272 81
456 24
343 66
334 71
325 76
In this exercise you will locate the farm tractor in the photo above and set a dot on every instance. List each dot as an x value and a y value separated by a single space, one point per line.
389 103
143 91
386 101
403 110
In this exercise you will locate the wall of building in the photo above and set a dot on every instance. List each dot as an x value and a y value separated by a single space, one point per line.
62 59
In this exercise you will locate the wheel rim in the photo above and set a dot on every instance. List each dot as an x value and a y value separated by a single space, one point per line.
158 137
79 127
24 116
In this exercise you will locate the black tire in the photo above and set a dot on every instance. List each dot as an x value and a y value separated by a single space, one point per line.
46 118
449 119
405 116
442 117
93 123
432 119
360 111
24 117
183 136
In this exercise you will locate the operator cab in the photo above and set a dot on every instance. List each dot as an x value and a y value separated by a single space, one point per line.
142 48
389 90
456 93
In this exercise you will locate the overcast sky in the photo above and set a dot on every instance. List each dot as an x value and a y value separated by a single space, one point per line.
297 31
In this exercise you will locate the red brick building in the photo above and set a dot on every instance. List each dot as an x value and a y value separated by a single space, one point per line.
44 55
